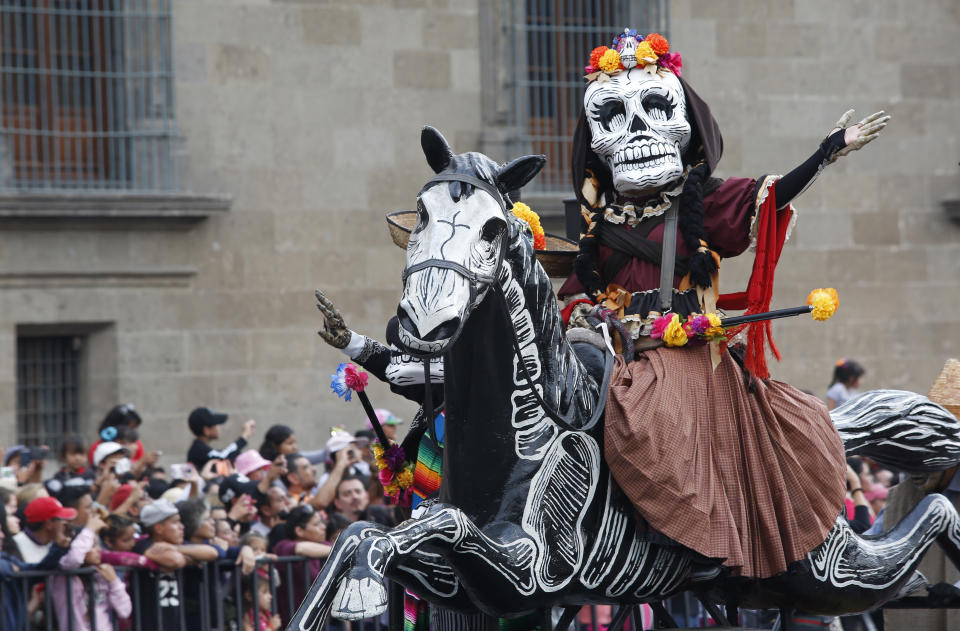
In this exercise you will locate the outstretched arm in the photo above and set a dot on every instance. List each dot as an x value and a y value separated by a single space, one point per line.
839 142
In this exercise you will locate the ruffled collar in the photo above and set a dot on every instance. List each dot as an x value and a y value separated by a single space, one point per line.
633 212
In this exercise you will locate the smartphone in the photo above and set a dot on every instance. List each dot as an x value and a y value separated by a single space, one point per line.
180 471
7 473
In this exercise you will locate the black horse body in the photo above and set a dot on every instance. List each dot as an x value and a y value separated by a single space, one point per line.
529 516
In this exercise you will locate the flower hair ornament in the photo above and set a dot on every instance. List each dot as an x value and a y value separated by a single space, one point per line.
631 50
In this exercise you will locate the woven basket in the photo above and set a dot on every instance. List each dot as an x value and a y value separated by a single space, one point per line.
946 387
557 259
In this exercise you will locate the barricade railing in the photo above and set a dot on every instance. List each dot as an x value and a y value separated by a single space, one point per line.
205 597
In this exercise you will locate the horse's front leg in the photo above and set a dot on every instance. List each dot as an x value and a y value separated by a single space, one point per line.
448 531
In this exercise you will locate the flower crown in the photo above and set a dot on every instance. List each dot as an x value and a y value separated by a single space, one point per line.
630 50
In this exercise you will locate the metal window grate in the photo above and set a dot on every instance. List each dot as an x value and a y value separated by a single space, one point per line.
552 40
47 381
87 95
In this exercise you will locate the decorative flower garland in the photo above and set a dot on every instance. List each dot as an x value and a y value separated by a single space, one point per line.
652 53
821 303
525 214
396 472
698 329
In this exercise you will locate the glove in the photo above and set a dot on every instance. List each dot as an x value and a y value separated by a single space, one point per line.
866 130
334 332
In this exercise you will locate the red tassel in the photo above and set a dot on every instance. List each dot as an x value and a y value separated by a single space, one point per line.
771 235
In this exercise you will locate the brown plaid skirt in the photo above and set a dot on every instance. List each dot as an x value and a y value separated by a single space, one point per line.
755 478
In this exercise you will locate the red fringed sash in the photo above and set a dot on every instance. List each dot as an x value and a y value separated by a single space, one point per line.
771 235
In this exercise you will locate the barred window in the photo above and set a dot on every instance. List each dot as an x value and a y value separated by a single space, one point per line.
552 40
47 384
86 91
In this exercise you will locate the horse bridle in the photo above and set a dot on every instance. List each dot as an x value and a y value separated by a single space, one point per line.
474 281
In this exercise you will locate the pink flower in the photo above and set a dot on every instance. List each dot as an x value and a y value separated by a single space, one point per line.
672 62
386 477
355 378
660 325
589 69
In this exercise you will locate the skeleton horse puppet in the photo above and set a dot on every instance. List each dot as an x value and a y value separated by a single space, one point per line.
574 476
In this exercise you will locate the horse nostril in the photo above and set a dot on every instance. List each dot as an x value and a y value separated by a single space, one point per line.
407 323
444 331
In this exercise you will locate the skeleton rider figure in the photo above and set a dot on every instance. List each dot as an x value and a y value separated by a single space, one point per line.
736 466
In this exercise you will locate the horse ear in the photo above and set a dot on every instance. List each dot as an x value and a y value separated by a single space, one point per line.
435 148
513 176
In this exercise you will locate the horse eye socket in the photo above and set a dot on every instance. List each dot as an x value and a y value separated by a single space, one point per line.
492 229
422 217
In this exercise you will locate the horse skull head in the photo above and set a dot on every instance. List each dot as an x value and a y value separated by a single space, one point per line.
456 243
638 121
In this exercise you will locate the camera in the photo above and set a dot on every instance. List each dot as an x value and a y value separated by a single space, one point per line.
33 453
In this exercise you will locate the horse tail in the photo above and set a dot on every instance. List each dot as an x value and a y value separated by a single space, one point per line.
900 430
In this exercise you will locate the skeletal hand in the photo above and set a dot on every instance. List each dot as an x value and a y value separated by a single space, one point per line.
858 135
334 332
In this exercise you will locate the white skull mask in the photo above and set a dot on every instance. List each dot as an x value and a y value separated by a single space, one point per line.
639 125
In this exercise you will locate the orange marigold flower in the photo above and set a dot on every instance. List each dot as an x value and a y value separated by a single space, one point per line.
596 54
539 242
658 42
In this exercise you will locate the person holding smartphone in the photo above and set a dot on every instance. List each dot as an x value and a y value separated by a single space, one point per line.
205 425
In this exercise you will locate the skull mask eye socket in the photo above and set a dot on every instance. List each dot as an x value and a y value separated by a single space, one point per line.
658 107
612 115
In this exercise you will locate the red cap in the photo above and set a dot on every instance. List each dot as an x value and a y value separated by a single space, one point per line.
44 508
120 496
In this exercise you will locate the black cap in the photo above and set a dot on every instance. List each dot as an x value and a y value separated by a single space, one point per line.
235 485
204 417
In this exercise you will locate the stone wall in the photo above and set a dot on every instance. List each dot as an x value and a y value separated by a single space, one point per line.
308 116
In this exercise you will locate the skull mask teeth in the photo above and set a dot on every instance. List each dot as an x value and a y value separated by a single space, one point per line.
639 126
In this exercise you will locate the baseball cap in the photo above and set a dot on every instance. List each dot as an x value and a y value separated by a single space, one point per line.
249 461
386 417
338 441
106 449
235 485
120 496
43 508
204 417
156 511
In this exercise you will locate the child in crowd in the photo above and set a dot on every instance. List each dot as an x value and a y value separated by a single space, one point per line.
266 620
73 455
846 381
110 593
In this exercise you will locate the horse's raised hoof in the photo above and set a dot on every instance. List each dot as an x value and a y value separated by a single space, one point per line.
363 597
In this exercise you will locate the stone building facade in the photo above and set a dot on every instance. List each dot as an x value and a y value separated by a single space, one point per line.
299 125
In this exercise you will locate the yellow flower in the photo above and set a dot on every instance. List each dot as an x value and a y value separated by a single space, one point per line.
392 489
674 335
404 479
377 451
610 61
645 51
716 326
381 464
825 303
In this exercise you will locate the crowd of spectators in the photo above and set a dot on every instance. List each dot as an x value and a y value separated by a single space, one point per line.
111 507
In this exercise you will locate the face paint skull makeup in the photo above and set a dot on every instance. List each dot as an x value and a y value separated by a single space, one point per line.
638 121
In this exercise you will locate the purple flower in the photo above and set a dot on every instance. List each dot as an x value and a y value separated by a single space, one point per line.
700 324
394 456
